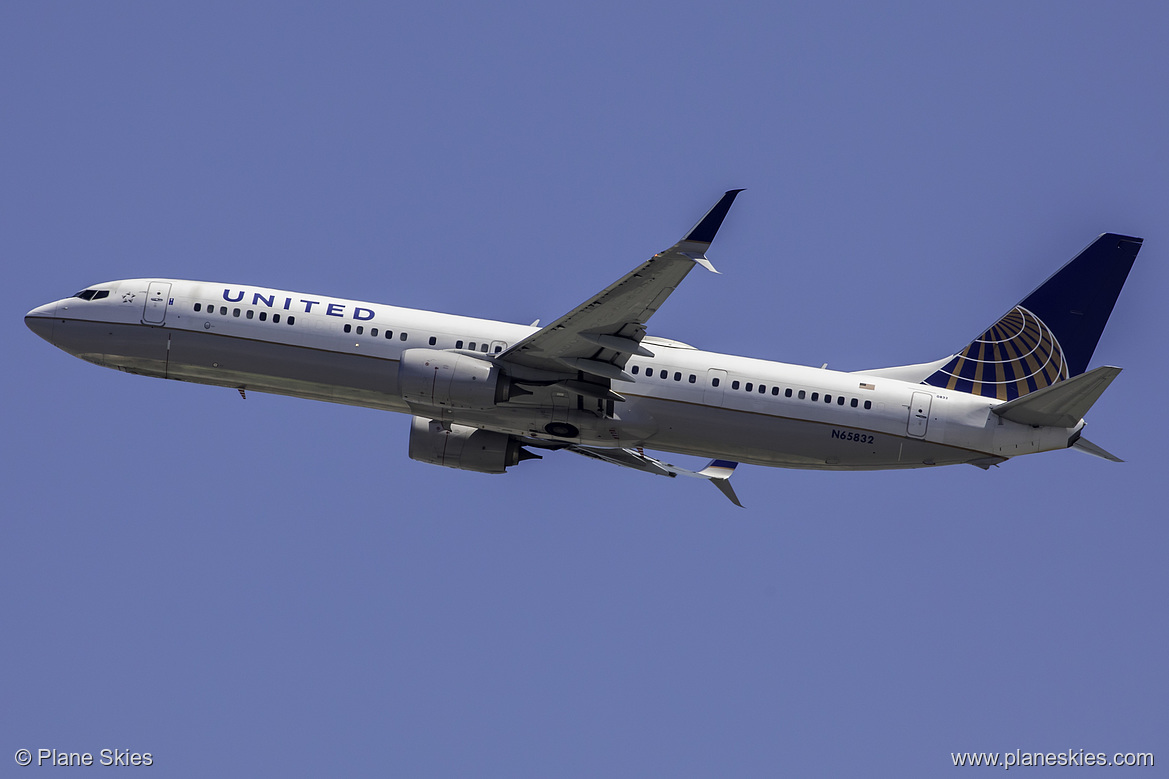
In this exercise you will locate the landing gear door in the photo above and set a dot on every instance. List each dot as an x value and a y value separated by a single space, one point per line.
157 298
919 413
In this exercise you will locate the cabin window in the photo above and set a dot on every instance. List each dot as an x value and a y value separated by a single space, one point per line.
634 370
801 395
361 329
735 384
459 345
223 310
235 312
483 348
275 317
291 319
762 389
827 398
433 340
198 306
471 346
499 349
251 313
840 400
677 375
868 404
348 327
373 332
815 396
787 393
693 378
853 403
714 382
389 334
402 337
263 316
749 386
775 391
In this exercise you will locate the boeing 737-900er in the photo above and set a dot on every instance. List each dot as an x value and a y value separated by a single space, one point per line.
483 394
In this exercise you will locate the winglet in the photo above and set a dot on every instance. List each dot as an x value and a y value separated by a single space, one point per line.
719 473
707 226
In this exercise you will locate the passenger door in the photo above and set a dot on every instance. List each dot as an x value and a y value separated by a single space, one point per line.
157 298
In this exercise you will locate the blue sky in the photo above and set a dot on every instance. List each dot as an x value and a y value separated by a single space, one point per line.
273 587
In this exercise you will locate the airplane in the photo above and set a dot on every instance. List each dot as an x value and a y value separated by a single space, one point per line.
484 394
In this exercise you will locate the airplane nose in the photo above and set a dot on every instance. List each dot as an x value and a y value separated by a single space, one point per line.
40 320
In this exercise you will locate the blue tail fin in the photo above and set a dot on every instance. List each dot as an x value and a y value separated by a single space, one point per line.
1051 335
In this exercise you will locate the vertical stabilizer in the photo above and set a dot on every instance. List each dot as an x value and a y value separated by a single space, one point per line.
1051 335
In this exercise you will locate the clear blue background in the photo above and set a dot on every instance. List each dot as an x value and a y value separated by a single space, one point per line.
272 587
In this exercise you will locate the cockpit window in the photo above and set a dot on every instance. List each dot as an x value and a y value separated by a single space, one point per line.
93 294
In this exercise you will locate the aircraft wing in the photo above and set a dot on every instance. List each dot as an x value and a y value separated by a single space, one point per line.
717 472
598 336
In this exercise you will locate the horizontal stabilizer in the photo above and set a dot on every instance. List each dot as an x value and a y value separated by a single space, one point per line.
1062 404
1084 445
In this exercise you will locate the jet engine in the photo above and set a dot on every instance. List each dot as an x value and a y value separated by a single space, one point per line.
433 377
463 447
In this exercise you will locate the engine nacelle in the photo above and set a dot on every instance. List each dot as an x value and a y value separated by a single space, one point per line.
433 377
462 447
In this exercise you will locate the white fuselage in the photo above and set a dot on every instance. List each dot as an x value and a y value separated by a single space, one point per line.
681 400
